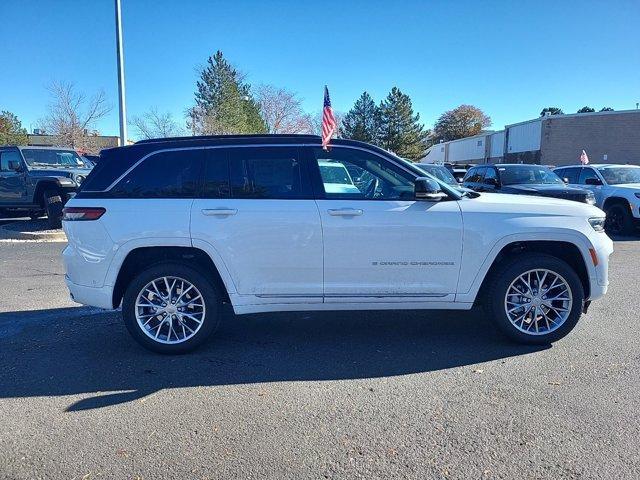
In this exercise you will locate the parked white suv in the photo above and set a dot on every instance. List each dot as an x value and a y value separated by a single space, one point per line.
616 189
171 229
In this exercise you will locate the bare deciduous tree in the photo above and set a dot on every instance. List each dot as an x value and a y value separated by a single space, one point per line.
156 124
72 116
282 111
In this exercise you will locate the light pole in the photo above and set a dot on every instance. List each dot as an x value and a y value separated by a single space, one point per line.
121 100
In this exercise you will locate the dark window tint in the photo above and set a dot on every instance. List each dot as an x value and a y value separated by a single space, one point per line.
475 175
216 174
163 175
9 160
571 174
267 172
490 173
585 174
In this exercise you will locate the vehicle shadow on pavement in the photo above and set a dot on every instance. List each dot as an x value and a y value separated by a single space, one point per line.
53 353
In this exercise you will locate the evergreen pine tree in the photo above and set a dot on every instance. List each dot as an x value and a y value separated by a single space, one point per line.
361 122
400 130
224 104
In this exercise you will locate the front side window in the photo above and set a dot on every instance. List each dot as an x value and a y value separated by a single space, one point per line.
587 173
475 175
490 176
162 175
267 172
9 161
620 175
356 174
571 174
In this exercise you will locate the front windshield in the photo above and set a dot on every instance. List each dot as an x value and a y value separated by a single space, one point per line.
441 173
528 175
36 157
620 175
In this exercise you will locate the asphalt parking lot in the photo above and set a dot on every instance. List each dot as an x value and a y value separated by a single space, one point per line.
333 395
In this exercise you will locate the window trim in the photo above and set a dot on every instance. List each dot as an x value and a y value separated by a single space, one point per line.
302 146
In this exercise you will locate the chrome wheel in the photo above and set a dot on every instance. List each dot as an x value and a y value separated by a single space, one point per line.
170 310
538 302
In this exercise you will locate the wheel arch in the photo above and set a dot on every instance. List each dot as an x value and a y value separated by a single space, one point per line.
146 256
609 202
564 250
41 187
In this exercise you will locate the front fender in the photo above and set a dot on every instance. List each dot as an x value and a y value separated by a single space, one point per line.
468 290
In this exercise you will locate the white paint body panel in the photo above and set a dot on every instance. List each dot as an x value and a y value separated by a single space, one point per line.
470 149
279 255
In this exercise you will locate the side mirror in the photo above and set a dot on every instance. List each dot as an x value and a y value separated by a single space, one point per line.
492 181
428 189
593 181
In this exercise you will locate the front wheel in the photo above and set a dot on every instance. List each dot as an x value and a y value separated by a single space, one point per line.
535 298
171 308
619 220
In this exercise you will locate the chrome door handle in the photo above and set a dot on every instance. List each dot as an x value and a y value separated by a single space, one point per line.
345 212
210 212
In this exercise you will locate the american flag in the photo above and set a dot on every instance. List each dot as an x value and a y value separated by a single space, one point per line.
584 159
328 120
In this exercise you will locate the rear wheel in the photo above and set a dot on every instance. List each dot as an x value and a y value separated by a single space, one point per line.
53 207
619 220
535 298
171 308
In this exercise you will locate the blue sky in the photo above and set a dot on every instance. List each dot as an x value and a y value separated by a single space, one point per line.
508 58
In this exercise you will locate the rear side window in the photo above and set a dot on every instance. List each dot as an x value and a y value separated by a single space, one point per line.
162 175
216 174
267 172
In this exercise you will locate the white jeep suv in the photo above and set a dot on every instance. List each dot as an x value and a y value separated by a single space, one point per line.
616 189
171 229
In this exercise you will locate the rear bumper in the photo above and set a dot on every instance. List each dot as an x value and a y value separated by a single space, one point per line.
101 297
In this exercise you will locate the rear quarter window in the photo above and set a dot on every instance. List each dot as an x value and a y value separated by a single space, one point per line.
173 174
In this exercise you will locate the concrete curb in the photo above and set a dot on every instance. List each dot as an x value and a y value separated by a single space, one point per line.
58 236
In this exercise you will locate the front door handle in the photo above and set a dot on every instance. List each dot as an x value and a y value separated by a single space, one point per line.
219 212
345 212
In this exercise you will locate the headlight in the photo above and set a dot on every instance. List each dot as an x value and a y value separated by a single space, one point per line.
79 179
66 182
597 223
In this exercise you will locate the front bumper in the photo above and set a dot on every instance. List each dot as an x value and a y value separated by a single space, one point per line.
599 274
101 297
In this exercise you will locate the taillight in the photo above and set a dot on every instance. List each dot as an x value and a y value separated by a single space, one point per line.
74 214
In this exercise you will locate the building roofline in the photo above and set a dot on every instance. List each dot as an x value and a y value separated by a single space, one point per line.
572 115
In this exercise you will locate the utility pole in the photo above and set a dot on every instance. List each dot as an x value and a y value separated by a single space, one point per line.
121 97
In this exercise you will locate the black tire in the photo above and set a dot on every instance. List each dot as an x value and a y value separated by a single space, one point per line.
53 206
208 290
619 220
511 269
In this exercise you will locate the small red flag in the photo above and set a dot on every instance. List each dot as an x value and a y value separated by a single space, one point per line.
328 120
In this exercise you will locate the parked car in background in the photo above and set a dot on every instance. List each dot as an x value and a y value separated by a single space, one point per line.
616 189
38 180
440 172
171 229
523 179
458 170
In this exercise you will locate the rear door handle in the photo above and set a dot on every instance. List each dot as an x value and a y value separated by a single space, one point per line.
210 212
345 212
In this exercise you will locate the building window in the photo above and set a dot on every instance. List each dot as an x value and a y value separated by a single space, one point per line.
479 143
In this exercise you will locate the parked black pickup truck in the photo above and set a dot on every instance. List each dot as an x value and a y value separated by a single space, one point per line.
37 180
523 179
